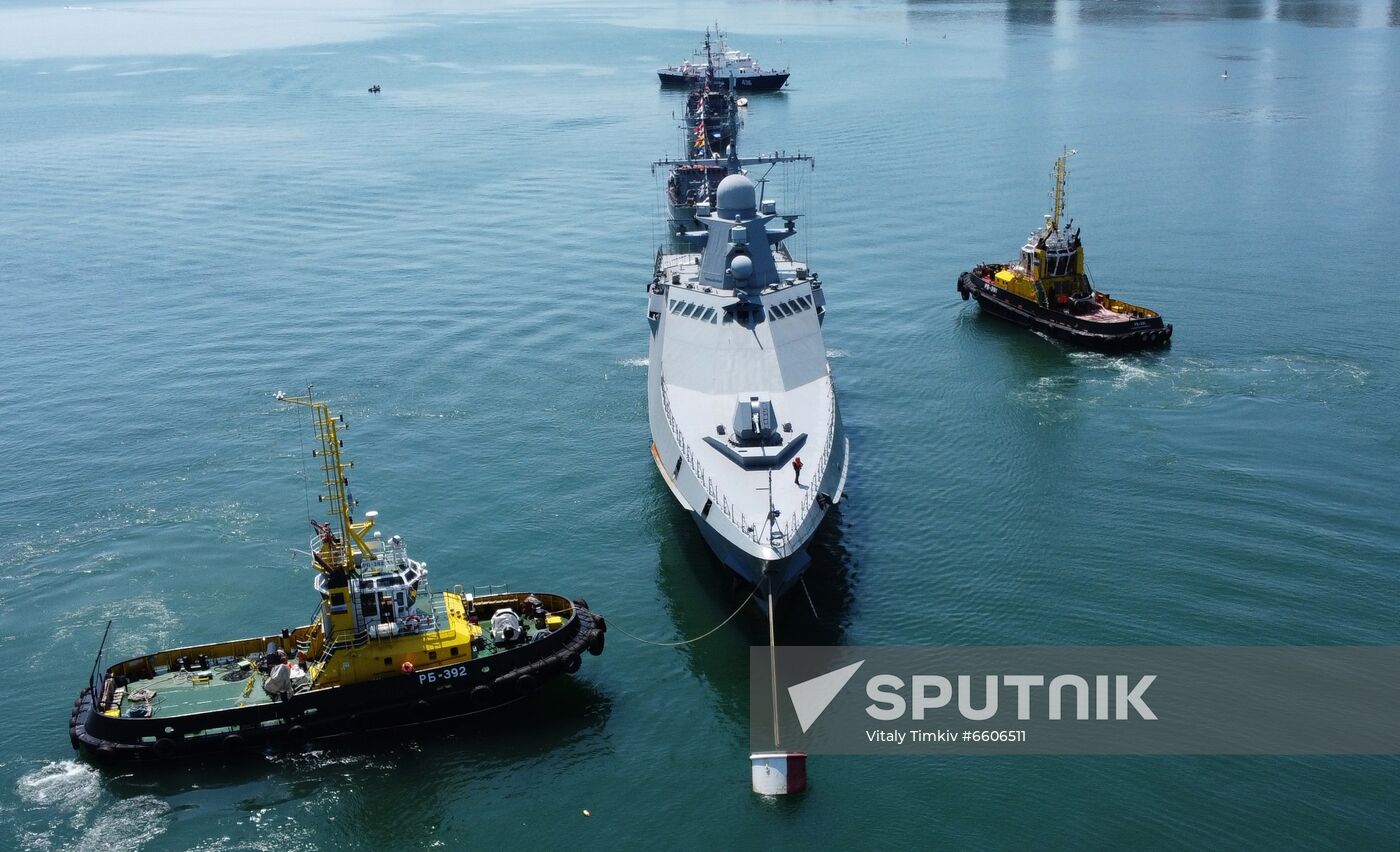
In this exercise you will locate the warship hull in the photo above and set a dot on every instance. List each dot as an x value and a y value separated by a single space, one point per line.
1117 336
748 561
450 690
752 83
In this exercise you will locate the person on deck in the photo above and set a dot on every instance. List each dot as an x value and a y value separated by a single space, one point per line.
278 685
797 470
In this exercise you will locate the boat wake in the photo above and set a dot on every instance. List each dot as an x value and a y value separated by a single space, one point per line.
73 796
1167 382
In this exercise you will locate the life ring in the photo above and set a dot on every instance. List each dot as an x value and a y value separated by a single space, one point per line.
595 645
166 748
482 695
526 684
572 663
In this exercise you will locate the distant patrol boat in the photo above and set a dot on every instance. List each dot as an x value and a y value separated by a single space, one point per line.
746 432
1048 289
380 652
723 63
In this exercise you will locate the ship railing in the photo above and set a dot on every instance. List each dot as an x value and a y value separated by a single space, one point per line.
717 499
793 525
485 591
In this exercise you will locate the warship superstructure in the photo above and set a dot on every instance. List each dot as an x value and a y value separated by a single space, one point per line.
745 428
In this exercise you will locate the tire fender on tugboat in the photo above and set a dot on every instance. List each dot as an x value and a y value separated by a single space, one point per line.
595 645
525 684
572 663
166 748
482 695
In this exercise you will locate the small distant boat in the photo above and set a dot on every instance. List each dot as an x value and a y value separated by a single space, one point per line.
716 60
1049 289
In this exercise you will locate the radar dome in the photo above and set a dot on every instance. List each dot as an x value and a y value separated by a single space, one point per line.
736 195
741 267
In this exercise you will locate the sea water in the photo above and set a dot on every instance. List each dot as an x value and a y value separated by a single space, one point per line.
201 204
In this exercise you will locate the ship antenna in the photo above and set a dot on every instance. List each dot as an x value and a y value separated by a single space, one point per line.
1060 173
337 554
305 477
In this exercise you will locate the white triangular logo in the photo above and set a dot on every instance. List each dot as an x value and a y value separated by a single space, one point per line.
810 698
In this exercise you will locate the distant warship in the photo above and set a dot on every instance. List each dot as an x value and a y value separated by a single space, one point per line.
711 131
718 60
745 428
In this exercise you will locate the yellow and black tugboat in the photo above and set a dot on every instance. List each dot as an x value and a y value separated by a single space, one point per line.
381 652
1048 289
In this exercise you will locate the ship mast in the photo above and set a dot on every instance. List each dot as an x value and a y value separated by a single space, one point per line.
337 552
1060 173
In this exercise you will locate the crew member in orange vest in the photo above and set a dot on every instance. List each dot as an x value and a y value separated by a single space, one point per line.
797 470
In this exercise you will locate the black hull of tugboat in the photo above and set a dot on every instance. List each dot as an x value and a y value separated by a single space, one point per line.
757 83
1147 333
413 699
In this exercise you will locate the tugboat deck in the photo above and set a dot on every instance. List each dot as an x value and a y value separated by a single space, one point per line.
181 693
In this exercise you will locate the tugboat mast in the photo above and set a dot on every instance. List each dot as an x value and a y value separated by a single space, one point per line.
337 553
1061 172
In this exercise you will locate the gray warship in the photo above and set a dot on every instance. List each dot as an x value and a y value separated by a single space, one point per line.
739 388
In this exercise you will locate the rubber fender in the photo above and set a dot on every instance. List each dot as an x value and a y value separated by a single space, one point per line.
581 603
73 737
233 742
296 734
423 708
572 662
483 695
595 645
601 622
525 684
166 748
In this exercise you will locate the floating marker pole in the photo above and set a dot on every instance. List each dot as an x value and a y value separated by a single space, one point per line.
776 773
773 660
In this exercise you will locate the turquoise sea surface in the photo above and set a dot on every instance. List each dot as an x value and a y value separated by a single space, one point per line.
200 204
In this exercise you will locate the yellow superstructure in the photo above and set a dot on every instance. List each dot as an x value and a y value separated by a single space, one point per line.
346 649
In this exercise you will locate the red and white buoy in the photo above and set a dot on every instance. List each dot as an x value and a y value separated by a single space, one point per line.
776 773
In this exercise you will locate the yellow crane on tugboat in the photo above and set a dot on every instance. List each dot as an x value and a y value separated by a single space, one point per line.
1048 288
381 652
